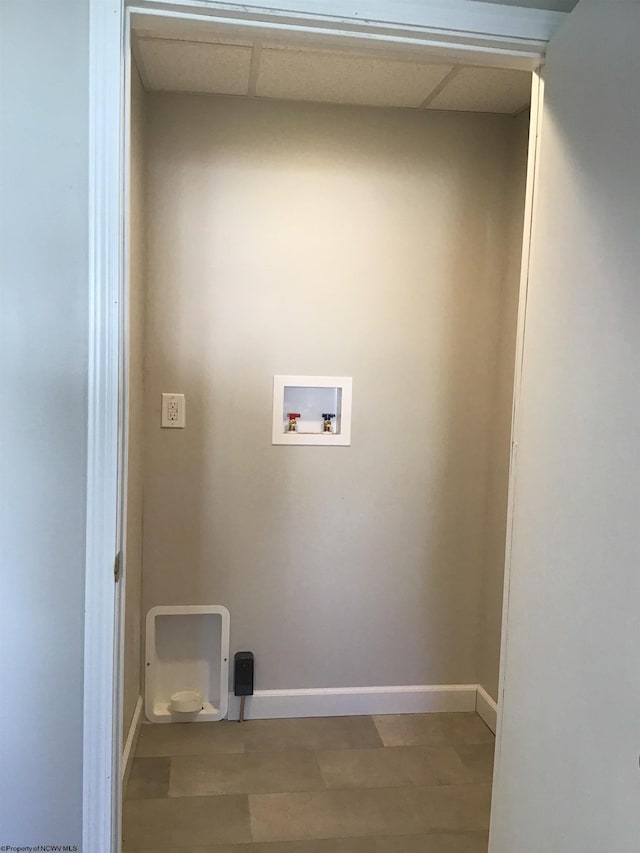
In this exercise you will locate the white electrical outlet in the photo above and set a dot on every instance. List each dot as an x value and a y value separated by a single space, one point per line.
173 411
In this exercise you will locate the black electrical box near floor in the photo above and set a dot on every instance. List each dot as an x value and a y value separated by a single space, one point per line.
243 674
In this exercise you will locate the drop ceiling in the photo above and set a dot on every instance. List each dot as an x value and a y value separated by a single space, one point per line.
195 59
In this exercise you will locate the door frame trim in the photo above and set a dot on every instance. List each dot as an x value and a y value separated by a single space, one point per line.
109 44
101 734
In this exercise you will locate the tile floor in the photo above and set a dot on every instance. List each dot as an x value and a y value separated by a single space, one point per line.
415 783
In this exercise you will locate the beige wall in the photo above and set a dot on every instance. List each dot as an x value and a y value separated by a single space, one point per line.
137 262
308 239
498 477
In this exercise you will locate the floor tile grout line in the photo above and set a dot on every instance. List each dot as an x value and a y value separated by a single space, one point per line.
433 745
327 790
345 749
327 786
359 790
373 719
324 749
376 789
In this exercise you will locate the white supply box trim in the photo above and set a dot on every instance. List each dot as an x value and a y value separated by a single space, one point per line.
342 438
355 701
487 708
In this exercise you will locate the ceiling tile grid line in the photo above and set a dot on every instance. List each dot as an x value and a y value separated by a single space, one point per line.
138 59
442 85
254 69
485 90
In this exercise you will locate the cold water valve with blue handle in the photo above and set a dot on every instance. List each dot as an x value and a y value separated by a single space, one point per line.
327 417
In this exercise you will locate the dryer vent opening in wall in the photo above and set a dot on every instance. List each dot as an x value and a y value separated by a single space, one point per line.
187 663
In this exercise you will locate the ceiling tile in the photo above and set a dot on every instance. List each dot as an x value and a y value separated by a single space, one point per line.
183 66
485 90
181 29
333 77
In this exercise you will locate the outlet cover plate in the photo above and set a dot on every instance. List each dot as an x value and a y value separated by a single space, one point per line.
173 411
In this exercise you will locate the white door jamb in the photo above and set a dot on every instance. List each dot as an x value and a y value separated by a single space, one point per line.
101 753
535 127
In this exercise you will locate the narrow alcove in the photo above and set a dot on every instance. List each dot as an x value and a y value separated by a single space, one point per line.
312 217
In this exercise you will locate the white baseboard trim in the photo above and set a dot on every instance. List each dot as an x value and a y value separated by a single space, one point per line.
354 701
129 748
487 708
